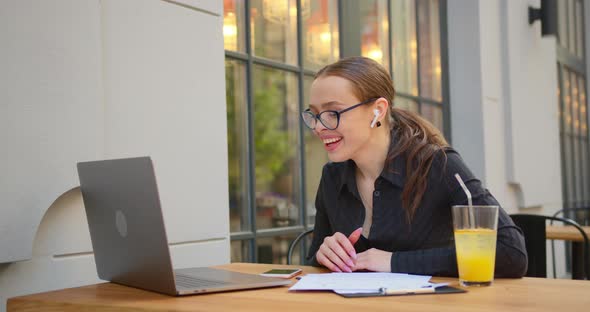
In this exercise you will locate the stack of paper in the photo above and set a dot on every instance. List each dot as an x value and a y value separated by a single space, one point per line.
355 283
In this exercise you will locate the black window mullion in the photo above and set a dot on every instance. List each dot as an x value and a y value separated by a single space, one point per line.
581 146
390 23
242 235
274 64
253 250
418 59
580 140
272 232
300 77
418 98
562 135
236 55
444 59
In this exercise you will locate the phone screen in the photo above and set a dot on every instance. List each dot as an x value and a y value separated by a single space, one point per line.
281 271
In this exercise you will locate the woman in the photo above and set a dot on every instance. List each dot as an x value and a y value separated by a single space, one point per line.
383 203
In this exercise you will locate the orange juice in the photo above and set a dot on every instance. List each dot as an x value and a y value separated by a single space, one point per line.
476 255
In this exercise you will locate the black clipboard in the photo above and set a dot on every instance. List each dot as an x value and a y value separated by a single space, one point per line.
437 291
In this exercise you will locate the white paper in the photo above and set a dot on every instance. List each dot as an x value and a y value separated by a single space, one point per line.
371 291
361 282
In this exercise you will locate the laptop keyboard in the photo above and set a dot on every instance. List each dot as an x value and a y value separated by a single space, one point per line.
187 281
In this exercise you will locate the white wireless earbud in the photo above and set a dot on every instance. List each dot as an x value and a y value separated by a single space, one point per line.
376 112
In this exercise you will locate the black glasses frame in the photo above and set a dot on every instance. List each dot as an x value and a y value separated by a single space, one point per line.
318 116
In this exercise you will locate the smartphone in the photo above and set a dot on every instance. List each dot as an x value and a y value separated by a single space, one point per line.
282 273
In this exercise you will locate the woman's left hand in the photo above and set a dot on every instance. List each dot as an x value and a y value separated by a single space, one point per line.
373 260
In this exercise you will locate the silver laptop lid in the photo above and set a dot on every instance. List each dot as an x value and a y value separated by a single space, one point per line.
126 224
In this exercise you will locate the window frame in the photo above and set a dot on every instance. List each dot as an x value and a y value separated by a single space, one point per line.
349 24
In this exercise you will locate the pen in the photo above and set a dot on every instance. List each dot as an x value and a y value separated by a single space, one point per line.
387 292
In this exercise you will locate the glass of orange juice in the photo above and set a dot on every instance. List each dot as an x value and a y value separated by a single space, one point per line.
475 242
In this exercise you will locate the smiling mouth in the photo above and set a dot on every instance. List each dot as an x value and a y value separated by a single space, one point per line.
331 141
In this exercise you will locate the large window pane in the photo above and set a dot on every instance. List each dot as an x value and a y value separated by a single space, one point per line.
315 159
237 140
407 104
567 99
320 33
375 31
276 128
583 107
405 47
573 82
575 104
275 249
239 250
429 51
567 139
274 29
574 114
433 113
233 25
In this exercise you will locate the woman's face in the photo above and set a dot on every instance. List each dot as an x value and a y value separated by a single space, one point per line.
353 131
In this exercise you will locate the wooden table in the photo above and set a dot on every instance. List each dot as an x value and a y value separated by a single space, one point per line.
527 294
568 233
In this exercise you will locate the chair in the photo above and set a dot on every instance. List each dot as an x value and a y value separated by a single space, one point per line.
294 244
533 227
580 215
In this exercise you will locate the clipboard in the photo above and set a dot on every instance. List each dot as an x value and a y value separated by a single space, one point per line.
437 291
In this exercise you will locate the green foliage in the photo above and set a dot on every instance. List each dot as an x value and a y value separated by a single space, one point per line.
233 124
271 144
270 137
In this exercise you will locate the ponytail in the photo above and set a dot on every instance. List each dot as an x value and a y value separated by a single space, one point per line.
420 141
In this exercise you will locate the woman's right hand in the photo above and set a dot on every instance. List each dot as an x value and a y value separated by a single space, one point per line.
337 251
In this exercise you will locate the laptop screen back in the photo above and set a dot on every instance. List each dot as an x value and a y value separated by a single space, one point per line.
126 224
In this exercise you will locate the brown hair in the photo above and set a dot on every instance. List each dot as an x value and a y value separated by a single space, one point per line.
414 136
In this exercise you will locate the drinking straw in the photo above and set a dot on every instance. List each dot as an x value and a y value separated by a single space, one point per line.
470 209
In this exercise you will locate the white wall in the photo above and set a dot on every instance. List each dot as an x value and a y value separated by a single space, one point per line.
503 89
530 74
465 83
86 80
504 118
51 99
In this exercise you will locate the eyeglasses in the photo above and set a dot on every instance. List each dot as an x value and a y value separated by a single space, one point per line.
329 118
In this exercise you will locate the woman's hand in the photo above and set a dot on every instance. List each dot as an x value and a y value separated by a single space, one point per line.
373 260
337 251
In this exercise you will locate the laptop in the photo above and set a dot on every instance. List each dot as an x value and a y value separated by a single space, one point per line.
128 235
